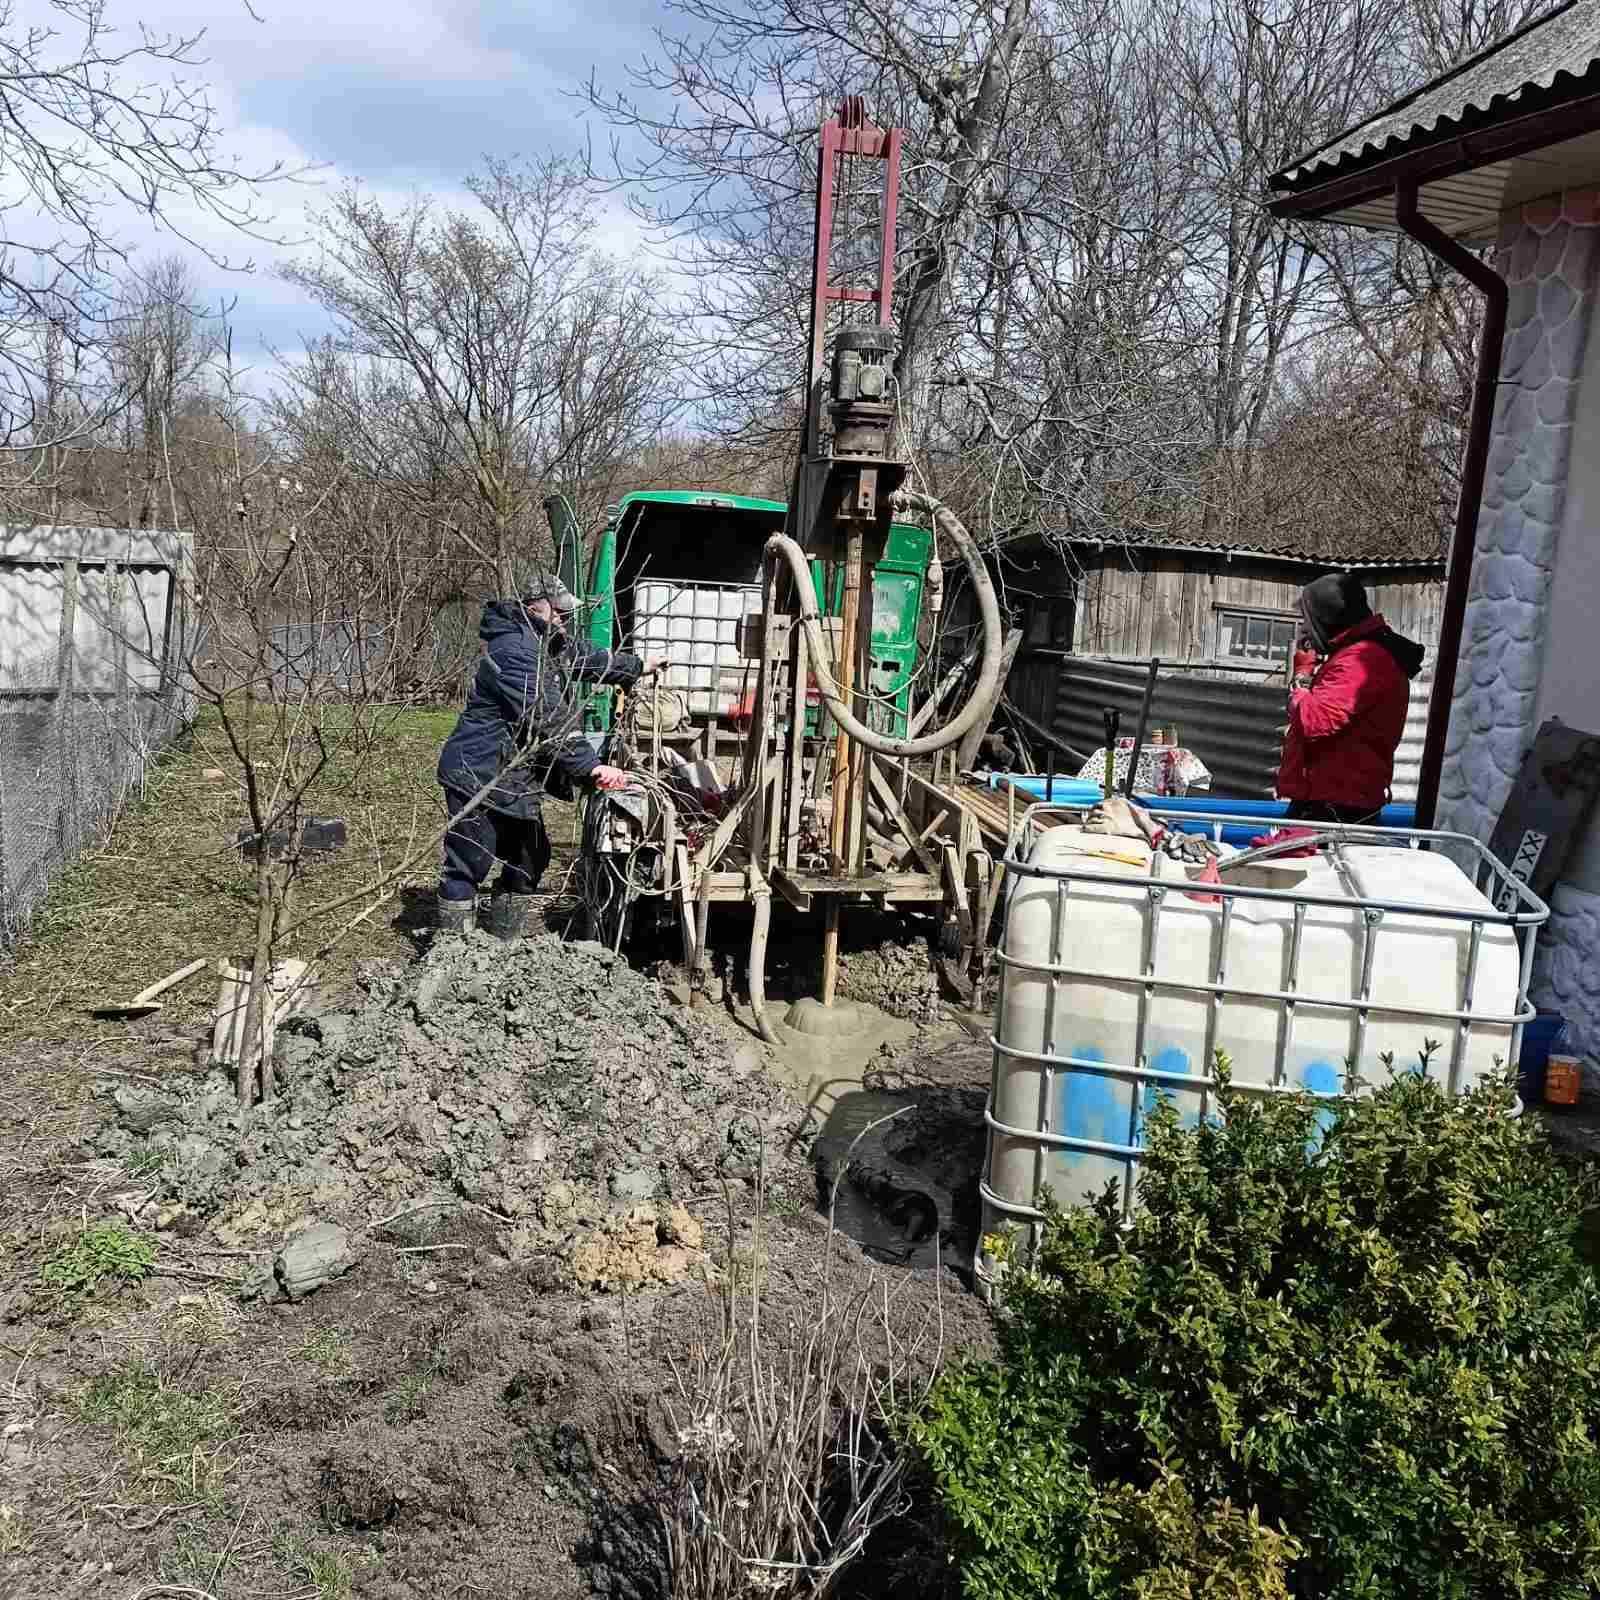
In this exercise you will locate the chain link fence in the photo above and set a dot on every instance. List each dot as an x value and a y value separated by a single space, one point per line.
427 659
92 639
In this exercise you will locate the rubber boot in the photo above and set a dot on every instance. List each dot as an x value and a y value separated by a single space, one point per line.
508 915
454 916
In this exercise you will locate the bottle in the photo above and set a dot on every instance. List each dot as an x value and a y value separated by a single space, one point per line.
1563 1073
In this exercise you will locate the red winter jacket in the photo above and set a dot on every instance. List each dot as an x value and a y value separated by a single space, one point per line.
1344 730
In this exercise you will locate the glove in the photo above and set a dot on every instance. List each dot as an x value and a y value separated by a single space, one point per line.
1305 666
1193 848
1119 818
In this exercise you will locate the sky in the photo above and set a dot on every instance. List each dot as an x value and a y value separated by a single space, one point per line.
401 95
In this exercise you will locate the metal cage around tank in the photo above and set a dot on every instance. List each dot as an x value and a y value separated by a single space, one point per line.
1511 905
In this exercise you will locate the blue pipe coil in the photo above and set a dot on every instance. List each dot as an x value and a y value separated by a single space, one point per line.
1255 816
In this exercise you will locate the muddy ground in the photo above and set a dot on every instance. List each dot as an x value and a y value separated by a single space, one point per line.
543 1171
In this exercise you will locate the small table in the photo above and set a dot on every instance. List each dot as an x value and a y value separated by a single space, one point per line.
1164 769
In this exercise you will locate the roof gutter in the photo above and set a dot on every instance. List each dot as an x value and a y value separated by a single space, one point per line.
1469 498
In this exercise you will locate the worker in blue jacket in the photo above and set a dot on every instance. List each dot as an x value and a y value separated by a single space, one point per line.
518 729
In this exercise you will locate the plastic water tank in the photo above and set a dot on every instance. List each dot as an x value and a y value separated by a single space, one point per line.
1143 975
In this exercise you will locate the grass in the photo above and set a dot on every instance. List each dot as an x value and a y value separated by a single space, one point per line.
174 1438
169 884
409 1402
16 1536
102 1250
327 1350
327 1573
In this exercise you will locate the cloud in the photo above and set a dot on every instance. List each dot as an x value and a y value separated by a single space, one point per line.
401 95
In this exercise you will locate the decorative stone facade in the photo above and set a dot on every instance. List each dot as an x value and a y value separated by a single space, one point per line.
1550 255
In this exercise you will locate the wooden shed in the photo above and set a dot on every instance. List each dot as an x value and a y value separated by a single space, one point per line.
1219 608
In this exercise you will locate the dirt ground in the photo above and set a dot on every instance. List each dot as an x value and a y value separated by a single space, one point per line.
543 1168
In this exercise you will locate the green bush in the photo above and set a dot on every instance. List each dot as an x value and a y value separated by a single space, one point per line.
1337 1354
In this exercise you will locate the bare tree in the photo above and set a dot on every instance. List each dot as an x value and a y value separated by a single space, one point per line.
99 124
160 346
485 356
1092 303
302 594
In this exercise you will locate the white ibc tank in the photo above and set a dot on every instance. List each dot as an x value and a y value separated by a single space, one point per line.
1150 980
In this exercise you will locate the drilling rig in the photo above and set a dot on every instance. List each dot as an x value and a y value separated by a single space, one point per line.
832 797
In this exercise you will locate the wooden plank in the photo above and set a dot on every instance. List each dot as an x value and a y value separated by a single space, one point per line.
864 883
955 885
709 853
923 712
783 882
686 913
967 750
891 803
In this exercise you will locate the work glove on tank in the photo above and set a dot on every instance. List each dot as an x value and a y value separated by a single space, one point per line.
1193 848
1121 819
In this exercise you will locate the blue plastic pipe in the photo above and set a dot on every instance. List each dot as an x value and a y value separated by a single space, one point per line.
1255 816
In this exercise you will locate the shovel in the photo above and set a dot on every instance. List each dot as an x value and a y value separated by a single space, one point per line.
145 1004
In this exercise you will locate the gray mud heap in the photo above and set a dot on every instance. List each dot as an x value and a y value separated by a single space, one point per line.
546 1082
897 978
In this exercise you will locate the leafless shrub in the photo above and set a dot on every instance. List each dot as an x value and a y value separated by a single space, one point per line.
787 1459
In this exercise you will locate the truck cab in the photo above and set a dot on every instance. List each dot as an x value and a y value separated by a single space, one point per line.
674 573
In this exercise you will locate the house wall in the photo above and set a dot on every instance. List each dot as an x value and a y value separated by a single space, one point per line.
1529 649
1139 603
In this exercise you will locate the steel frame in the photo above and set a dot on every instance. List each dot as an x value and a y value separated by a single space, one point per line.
1528 912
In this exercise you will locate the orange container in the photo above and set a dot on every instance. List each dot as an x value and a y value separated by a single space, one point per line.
1562 1081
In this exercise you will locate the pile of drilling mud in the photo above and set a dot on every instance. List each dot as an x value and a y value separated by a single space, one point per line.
896 977
547 1083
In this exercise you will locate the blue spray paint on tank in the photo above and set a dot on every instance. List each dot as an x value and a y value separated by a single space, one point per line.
1174 1060
1089 1103
1321 1077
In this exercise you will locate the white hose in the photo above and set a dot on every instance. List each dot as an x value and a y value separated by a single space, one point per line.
780 546
761 896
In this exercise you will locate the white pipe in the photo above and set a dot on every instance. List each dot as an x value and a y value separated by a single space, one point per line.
780 546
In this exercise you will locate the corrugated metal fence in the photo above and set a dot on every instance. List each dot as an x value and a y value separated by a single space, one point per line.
93 646
1234 726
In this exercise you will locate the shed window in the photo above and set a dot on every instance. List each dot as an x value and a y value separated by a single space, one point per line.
1264 636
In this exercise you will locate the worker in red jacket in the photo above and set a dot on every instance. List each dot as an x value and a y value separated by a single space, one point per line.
1347 705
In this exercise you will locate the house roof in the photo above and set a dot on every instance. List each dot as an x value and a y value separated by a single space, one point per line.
1296 548
1516 121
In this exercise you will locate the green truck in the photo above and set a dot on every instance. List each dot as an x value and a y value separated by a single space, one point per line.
675 571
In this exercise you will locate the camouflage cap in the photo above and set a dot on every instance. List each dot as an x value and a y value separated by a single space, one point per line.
547 586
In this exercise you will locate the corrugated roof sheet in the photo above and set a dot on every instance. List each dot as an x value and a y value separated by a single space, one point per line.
1547 59
1303 549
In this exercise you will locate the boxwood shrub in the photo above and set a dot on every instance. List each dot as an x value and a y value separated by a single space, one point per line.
1348 1355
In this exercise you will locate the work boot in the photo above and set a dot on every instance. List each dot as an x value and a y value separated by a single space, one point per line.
508 915
453 916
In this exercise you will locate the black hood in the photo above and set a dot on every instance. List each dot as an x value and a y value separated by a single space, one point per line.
1337 603
1407 652
501 617
1330 605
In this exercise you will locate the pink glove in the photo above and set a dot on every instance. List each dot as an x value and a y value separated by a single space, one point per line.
1305 663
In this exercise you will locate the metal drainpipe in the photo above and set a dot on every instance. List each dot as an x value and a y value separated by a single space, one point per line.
1474 464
